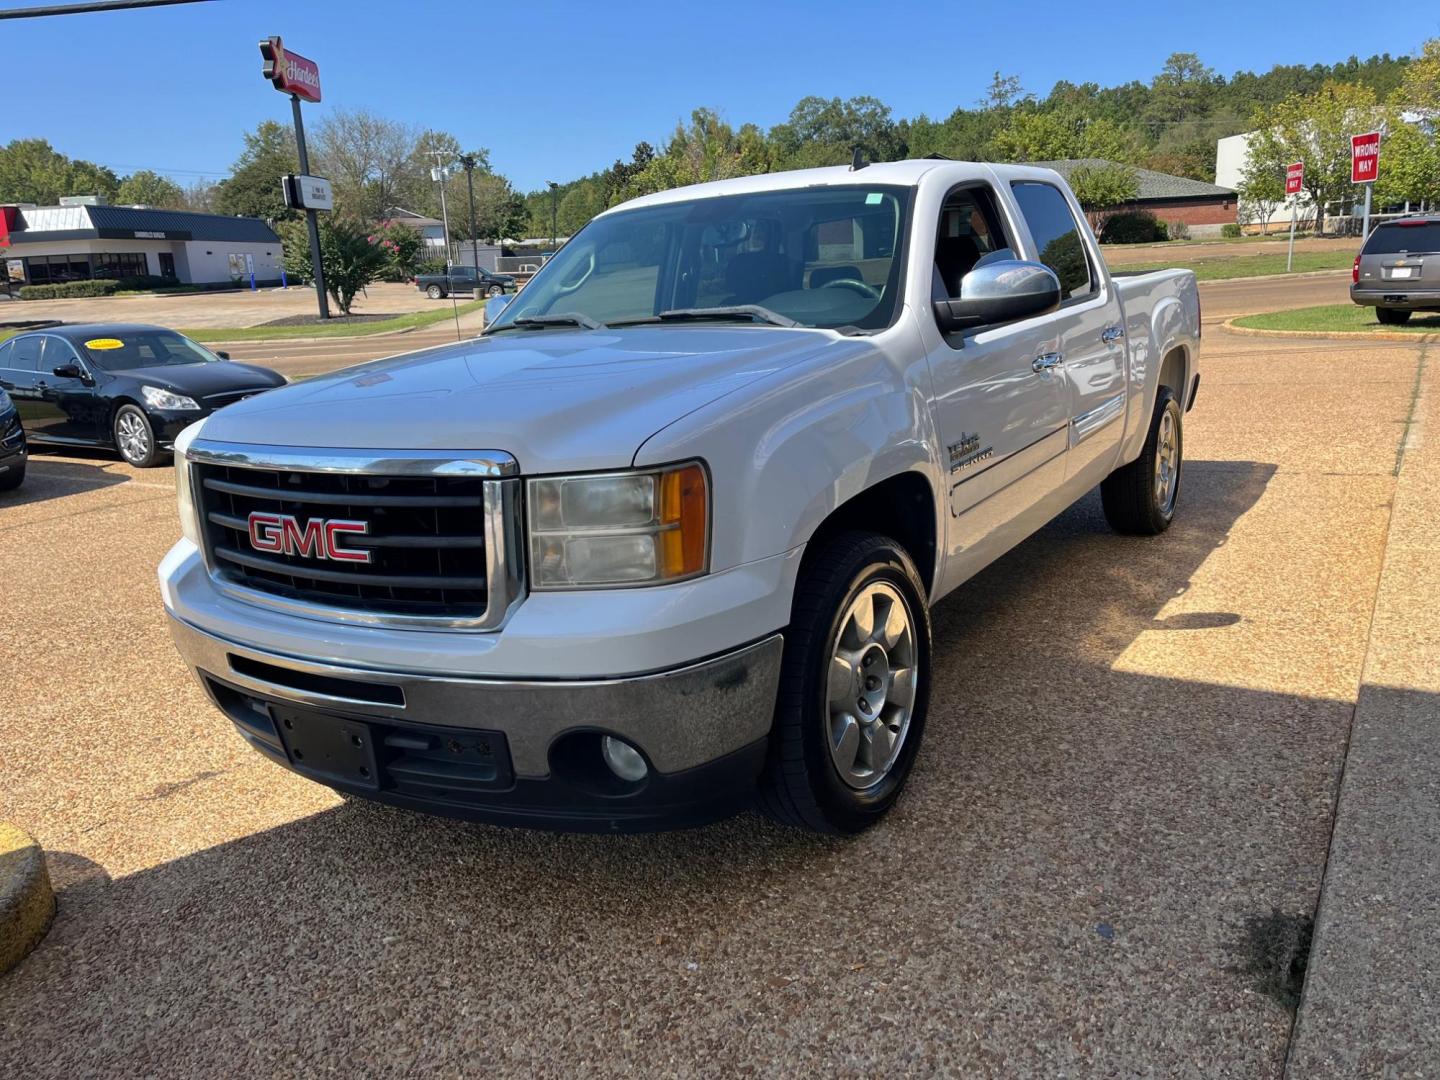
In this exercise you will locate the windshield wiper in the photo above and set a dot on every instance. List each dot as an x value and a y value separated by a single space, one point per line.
560 318
716 314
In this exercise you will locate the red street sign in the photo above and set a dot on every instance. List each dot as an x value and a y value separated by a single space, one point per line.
1364 157
1294 178
289 72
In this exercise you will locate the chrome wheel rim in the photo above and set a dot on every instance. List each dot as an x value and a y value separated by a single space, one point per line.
133 439
1167 462
870 687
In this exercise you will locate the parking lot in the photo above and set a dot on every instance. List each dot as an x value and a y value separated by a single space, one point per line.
1131 763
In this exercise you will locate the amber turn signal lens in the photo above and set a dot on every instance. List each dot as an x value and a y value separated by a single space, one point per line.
684 504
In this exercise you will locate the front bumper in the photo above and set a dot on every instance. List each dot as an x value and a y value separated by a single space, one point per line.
509 750
1403 295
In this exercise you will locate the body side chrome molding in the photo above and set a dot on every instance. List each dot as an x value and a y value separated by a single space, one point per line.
1088 423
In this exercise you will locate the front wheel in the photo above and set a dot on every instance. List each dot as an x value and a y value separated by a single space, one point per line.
134 437
494 290
854 687
434 292
12 479
1139 498
1392 316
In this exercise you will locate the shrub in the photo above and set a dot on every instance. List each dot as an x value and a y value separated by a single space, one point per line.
1132 227
1179 230
1230 230
145 281
68 290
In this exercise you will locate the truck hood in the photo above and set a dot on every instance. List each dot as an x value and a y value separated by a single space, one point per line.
557 400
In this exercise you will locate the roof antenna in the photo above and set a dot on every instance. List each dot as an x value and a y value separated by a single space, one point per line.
857 159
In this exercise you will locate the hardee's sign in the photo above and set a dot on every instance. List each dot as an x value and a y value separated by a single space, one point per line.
289 72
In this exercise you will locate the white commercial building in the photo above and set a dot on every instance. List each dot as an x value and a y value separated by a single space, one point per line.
53 244
1231 155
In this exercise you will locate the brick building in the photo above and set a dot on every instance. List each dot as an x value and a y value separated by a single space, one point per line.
1204 207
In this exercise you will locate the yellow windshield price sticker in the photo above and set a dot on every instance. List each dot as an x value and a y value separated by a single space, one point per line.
103 343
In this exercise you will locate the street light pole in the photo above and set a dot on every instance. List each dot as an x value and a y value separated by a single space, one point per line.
554 215
467 161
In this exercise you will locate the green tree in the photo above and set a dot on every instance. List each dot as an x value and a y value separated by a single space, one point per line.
147 188
825 131
1101 187
367 158
402 246
1183 91
1420 88
33 171
1409 165
1262 189
1316 129
253 187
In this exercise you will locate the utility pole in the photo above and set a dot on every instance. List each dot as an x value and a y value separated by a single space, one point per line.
554 215
441 174
467 162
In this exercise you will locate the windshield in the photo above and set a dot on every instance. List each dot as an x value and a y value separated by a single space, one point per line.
143 349
1394 237
820 256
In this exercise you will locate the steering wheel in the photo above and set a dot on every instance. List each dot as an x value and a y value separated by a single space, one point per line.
867 291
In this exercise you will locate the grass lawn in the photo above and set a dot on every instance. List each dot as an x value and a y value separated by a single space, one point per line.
337 328
1342 317
1221 267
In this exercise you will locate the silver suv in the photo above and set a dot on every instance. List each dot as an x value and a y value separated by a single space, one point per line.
1398 269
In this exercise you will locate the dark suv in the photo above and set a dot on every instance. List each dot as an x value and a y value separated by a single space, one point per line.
1398 269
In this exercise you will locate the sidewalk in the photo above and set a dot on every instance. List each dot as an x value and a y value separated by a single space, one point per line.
1371 1005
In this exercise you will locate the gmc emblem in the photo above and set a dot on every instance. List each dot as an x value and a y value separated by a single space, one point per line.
318 538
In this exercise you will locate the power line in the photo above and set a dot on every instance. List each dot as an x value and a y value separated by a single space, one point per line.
89 7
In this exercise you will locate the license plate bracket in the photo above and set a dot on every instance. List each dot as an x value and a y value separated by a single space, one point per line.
328 747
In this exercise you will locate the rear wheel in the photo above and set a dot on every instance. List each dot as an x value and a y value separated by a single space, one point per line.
854 687
134 437
434 292
1139 498
1392 316
12 479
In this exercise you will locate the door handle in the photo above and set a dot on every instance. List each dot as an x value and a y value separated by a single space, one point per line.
1047 362
1112 334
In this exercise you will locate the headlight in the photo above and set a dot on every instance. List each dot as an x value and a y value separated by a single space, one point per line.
184 496
4 401
633 528
164 399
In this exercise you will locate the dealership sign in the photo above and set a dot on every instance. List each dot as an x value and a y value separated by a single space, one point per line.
1364 157
307 192
1294 178
289 72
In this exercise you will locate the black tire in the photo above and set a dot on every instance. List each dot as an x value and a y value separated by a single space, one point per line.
1390 316
12 479
494 290
802 786
139 452
1130 494
434 292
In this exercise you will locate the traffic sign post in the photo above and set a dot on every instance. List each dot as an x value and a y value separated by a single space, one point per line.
298 76
1365 168
1294 181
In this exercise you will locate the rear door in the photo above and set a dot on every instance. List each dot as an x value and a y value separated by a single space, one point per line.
21 379
1088 326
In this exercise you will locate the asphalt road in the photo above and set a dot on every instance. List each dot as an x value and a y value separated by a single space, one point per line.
1133 755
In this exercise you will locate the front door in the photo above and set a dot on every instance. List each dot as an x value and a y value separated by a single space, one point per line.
1000 402
71 408
167 264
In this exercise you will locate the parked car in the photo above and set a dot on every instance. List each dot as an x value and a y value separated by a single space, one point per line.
1398 269
131 387
740 437
469 279
12 445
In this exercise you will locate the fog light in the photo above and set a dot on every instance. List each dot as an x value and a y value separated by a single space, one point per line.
624 760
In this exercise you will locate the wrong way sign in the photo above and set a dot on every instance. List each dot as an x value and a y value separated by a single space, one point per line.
1294 178
1364 157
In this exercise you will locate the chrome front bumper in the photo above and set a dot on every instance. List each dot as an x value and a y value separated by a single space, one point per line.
680 719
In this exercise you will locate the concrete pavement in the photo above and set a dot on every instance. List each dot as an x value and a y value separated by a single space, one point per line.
1134 752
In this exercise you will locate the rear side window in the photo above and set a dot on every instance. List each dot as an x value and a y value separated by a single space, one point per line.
1392 238
1057 236
27 354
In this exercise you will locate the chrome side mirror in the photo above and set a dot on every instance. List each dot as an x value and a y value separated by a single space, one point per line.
999 292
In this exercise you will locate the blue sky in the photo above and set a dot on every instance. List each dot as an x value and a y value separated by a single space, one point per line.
556 90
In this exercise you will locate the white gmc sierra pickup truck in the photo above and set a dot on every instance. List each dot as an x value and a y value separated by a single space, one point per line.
662 542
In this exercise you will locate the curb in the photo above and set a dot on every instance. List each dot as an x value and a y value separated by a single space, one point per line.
1333 335
27 903
312 340
1275 277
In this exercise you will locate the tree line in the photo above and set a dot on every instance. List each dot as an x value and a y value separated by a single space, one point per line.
1170 124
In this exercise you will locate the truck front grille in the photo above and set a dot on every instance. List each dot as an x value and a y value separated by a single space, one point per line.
425 536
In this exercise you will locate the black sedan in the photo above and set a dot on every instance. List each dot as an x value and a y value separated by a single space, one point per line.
131 387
